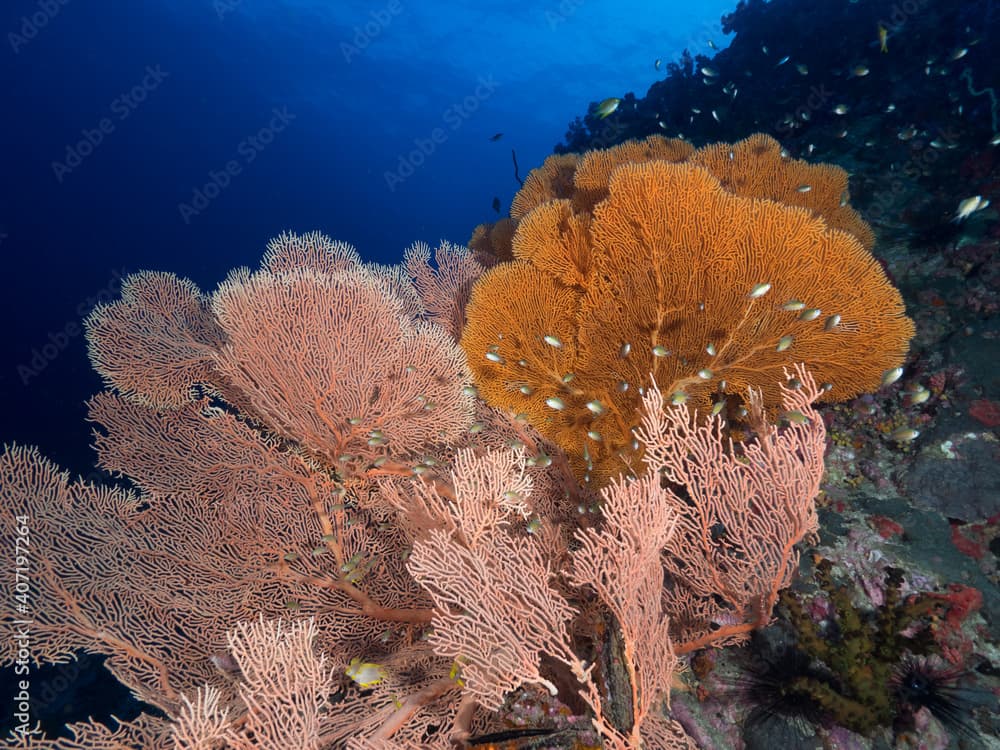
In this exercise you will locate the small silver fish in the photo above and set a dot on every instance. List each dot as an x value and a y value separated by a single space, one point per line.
660 351
904 434
891 376
784 342
804 188
794 417
793 305
759 290
709 72
555 403
832 322
705 373
841 109
810 313
608 106
552 341
596 407
968 207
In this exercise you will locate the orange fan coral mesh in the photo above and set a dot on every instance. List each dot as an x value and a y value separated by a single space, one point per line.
521 335
491 243
552 180
702 251
557 241
594 172
756 168
676 277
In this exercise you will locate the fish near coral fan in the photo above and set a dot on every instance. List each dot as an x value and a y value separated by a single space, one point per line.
673 276
757 167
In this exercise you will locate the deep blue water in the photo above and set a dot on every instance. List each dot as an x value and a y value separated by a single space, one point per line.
183 135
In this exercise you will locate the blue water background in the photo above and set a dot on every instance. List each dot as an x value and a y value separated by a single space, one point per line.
182 135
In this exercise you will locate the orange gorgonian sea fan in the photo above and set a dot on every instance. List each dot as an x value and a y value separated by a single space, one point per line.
673 274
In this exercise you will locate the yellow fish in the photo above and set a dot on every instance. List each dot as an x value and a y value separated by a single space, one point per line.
969 206
608 106
364 673
883 36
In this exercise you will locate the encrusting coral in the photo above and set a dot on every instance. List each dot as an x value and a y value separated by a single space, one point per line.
675 277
